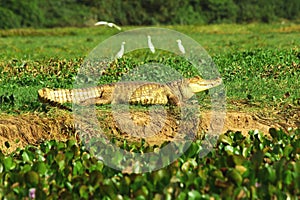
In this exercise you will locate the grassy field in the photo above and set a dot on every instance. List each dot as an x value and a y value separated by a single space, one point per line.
260 67
257 62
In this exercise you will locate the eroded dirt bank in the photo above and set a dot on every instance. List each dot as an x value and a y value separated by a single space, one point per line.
155 128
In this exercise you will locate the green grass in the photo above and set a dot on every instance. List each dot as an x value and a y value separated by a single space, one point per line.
71 43
257 62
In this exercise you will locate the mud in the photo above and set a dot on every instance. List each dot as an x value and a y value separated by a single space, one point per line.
155 127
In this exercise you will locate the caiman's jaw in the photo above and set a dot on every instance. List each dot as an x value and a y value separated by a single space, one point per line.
198 84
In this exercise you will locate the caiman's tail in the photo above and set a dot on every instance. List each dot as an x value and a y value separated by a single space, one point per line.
56 97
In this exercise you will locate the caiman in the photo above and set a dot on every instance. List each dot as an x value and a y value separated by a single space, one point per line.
144 93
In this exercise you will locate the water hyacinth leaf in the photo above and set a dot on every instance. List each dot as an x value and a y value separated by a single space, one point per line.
273 133
261 137
238 159
142 192
60 160
71 143
297 174
235 176
40 167
185 166
257 158
288 177
25 157
218 174
271 174
225 139
98 165
182 196
190 178
66 195
160 177
85 156
69 155
83 191
125 185
69 186
229 149
288 149
141 197
45 147
237 136
61 145
26 168
241 169
194 195
1 156
1 168
109 188
9 163
193 150
78 168
32 178
277 149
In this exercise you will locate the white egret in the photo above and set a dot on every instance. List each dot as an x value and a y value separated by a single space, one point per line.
150 45
109 24
121 52
180 46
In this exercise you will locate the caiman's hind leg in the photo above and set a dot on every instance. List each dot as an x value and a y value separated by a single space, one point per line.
173 99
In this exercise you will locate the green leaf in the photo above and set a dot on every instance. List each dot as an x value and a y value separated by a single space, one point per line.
273 133
78 168
9 163
288 149
83 191
60 160
27 167
40 167
185 166
217 174
194 195
140 197
182 196
225 139
229 149
288 177
257 158
32 178
271 174
193 150
25 157
1 168
235 176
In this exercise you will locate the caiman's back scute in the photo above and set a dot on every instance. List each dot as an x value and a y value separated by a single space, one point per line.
145 93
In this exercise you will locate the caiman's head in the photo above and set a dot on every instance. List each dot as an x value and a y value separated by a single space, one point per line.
197 84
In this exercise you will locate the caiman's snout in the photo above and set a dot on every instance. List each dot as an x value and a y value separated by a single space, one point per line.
197 84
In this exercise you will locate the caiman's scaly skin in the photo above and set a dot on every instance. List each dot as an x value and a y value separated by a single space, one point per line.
144 93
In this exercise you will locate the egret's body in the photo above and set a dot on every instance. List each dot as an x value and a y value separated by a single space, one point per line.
150 45
109 24
121 52
180 46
